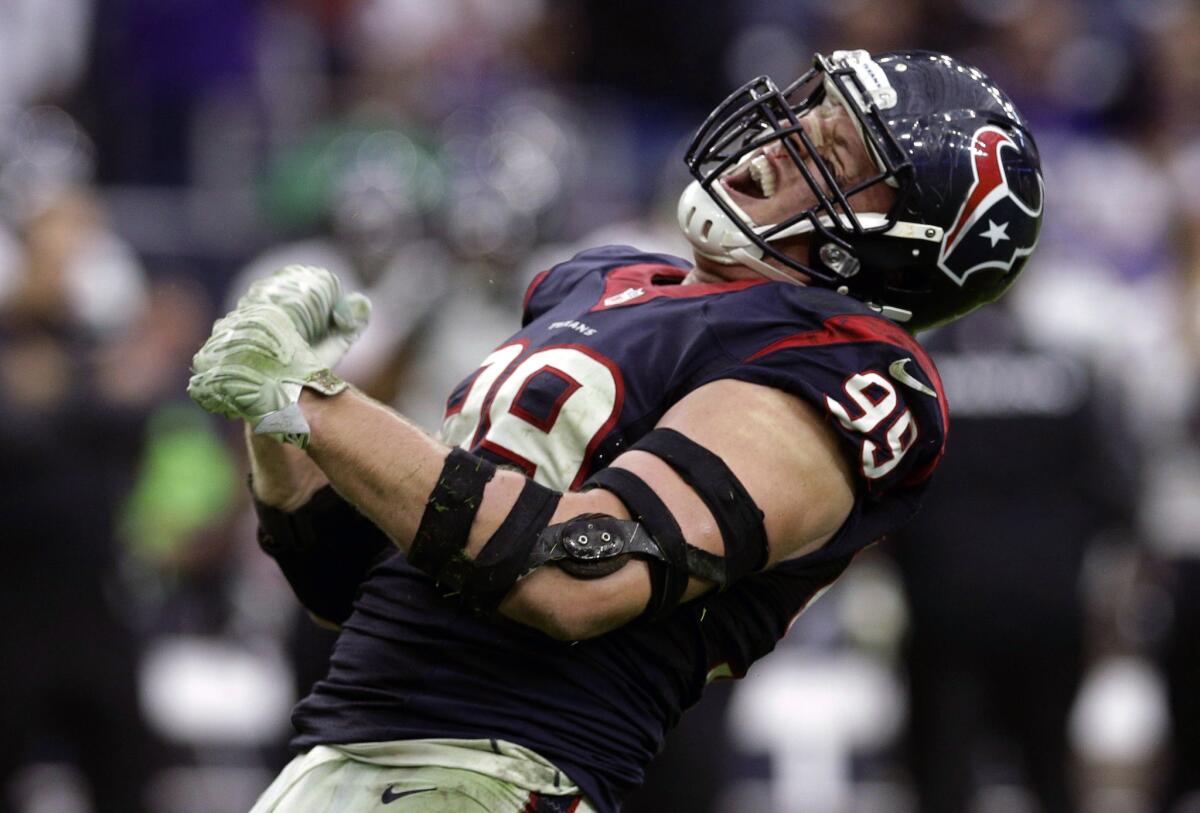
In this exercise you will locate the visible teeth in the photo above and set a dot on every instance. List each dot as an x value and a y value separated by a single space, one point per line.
814 132
763 174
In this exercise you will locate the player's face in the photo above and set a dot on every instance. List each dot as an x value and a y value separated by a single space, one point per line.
770 187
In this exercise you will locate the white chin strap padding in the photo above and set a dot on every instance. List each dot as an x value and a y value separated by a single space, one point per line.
707 226
715 236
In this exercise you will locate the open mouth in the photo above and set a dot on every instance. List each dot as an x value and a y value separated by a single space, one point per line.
754 179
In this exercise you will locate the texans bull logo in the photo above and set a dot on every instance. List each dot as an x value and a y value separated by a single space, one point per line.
994 228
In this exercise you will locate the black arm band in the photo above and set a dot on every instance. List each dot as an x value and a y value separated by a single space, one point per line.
485 580
668 575
451 509
324 549
732 507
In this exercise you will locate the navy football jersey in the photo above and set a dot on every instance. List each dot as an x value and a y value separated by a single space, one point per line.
610 341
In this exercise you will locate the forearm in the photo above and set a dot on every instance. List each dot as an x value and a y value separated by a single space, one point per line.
283 476
387 466
322 545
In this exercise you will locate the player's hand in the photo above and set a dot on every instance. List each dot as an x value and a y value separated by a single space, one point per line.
254 366
312 297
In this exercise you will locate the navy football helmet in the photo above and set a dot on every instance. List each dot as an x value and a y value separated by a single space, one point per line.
964 167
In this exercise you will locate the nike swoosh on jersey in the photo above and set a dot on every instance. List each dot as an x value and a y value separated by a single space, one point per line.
897 371
390 795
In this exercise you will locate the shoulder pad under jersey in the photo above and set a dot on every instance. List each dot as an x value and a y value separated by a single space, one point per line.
876 386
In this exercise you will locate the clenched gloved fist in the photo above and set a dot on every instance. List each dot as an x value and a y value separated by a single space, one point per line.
312 298
254 366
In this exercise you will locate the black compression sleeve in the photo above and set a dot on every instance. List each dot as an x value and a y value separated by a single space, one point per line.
324 549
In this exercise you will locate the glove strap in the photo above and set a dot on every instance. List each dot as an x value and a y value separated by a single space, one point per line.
289 423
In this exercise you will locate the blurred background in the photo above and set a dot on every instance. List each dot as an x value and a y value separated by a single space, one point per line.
1031 643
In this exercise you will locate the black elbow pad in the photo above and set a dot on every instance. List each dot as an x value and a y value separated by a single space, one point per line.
324 550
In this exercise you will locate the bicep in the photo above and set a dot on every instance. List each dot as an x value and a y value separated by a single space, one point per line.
779 448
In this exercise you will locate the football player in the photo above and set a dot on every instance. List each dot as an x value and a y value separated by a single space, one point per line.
641 488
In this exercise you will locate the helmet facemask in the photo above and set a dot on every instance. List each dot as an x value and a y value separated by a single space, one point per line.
759 115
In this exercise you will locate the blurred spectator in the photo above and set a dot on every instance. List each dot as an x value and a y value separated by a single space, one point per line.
71 421
876 25
672 53
1038 466
359 199
1174 74
1181 663
43 49
158 70
1173 513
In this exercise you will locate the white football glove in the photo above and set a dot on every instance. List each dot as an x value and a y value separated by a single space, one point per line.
254 366
312 298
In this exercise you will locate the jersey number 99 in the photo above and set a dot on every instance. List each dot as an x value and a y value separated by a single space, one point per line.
875 400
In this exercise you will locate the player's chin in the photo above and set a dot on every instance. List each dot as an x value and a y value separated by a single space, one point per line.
795 248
